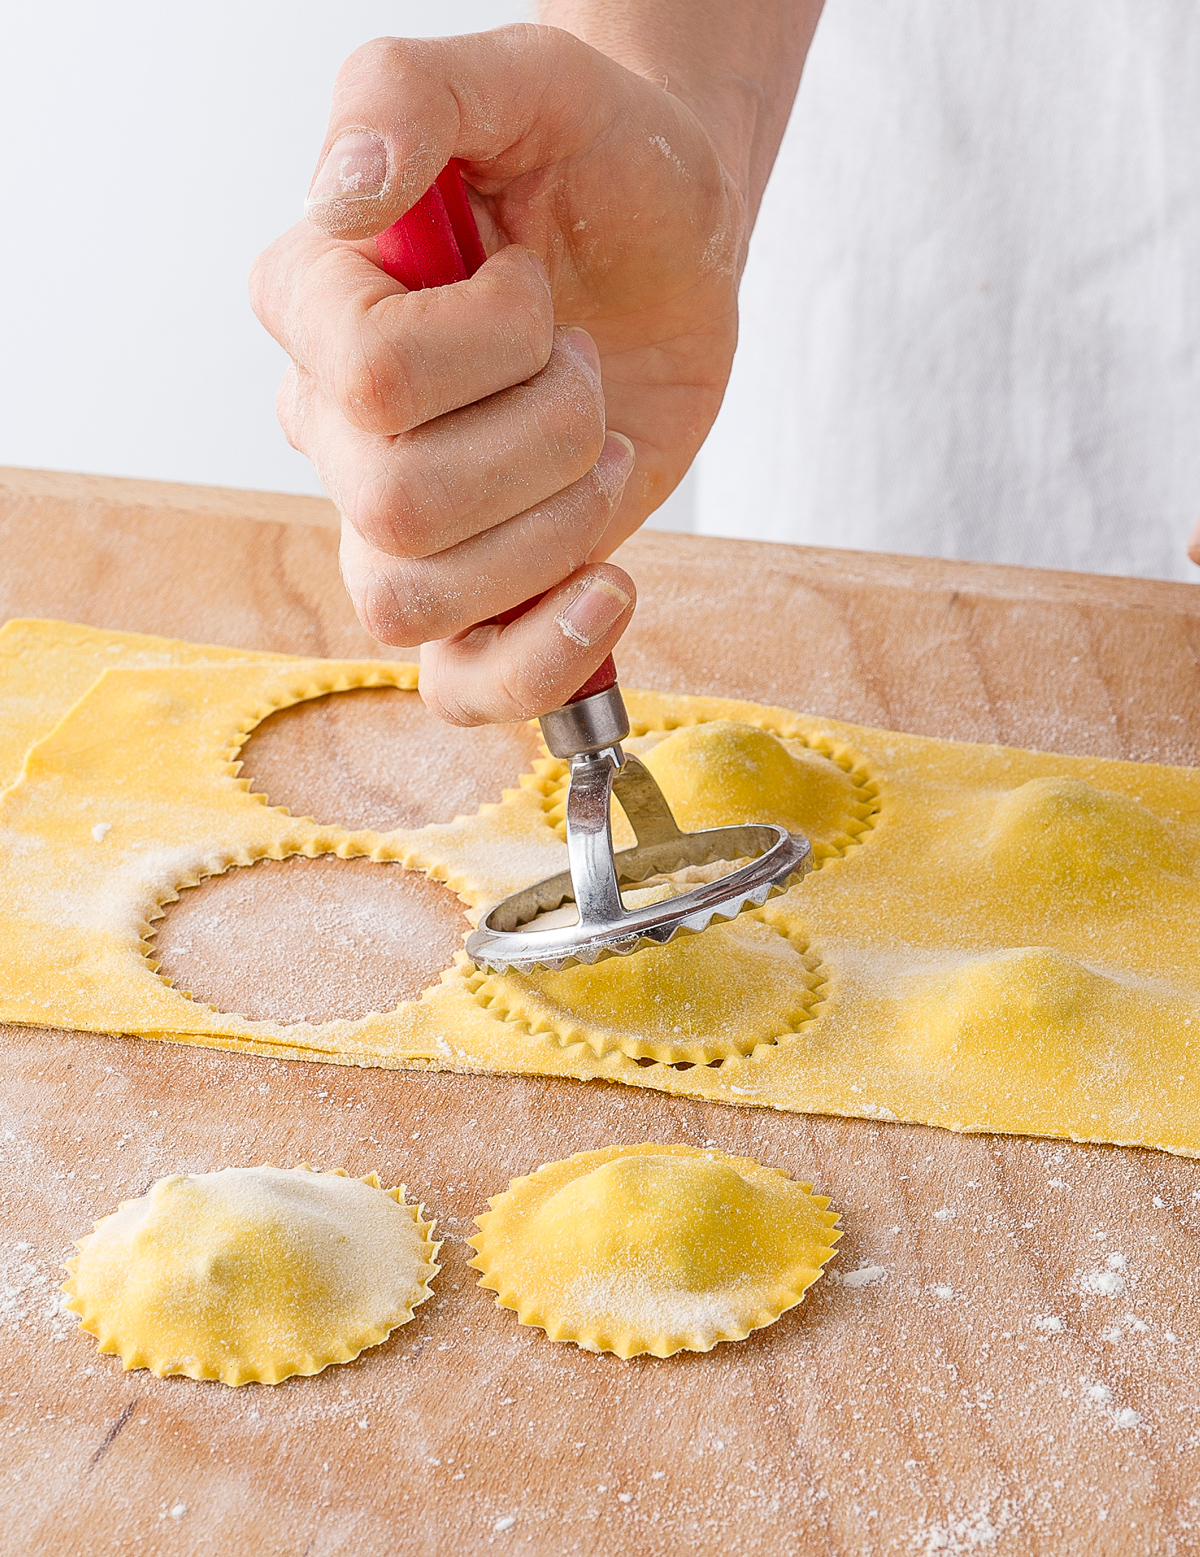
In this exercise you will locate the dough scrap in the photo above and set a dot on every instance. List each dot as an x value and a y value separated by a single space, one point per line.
47 666
653 1249
249 1275
965 857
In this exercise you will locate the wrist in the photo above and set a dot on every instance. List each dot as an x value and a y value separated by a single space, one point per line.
734 64
730 110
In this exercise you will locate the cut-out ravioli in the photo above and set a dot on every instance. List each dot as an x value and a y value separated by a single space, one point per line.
724 772
699 998
252 1274
1065 834
1031 1035
653 1248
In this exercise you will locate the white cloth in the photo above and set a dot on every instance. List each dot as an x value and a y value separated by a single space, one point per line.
971 317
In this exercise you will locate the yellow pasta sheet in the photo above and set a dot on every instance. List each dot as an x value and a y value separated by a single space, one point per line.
993 939
46 666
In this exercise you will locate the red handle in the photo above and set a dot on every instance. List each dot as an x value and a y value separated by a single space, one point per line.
432 245
437 242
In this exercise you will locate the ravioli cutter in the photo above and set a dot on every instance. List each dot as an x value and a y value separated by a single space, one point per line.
434 244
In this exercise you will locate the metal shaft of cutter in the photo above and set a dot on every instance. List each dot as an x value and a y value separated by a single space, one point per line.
588 734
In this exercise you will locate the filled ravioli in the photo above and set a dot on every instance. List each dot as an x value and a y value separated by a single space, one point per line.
698 999
724 772
994 940
653 1248
252 1274
1037 1040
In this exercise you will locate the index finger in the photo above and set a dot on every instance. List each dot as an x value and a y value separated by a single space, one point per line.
390 359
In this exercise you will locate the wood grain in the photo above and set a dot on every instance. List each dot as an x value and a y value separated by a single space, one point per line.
928 1411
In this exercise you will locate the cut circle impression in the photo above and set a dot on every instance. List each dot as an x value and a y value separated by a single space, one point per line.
725 772
309 940
698 999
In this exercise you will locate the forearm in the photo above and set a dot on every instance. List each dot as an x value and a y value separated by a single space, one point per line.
735 63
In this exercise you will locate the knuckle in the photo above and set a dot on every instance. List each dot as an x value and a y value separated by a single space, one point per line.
513 697
531 328
573 379
566 417
587 392
379 59
574 427
275 275
518 300
376 606
288 410
558 536
259 284
393 510
560 49
583 519
448 698
411 606
372 390
387 607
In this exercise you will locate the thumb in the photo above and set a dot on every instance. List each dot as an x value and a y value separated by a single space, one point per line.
494 674
402 107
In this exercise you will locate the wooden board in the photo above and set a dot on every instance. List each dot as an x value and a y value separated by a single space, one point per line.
927 1412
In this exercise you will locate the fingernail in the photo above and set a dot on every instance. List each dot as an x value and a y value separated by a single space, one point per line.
535 259
355 168
584 347
593 612
615 466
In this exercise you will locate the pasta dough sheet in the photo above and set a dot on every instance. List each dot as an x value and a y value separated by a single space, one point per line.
45 667
993 940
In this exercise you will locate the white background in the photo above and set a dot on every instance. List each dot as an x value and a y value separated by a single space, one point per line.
971 322
971 317
150 152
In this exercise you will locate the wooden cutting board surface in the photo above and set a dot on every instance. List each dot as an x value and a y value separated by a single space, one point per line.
927 1411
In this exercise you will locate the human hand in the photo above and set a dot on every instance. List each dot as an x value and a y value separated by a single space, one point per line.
462 430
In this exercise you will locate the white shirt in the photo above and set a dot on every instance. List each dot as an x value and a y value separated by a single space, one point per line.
971 316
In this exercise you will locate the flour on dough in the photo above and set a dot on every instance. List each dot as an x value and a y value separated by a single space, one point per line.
252 1274
993 939
653 1249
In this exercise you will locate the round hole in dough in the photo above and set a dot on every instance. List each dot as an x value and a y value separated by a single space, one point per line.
375 757
309 940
